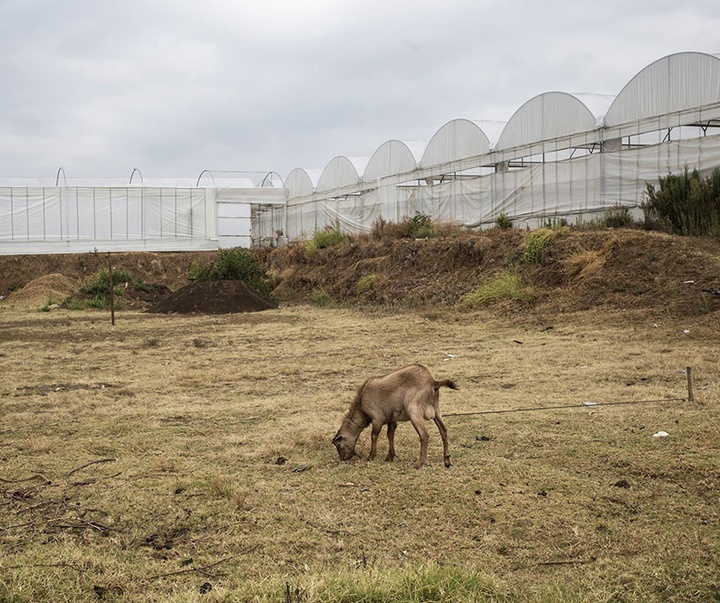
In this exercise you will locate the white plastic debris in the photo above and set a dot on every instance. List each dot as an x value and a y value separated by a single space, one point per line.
661 434
589 403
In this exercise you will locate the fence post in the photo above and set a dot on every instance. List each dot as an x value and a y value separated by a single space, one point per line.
691 396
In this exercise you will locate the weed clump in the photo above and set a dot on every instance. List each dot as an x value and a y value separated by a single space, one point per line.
419 226
617 217
322 298
537 242
330 236
507 286
365 283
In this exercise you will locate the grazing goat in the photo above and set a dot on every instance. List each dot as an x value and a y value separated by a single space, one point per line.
407 394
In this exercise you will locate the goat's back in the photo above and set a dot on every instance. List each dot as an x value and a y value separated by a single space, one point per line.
389 396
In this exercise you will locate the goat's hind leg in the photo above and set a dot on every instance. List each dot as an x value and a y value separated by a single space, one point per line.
419 424
443 434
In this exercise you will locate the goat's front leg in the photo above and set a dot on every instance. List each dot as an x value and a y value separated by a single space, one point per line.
373 440
392 426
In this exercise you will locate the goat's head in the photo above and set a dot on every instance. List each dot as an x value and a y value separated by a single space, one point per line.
345 439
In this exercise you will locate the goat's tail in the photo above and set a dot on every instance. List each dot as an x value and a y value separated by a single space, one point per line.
445 383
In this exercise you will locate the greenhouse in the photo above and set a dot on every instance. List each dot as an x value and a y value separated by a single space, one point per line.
64 215
560 156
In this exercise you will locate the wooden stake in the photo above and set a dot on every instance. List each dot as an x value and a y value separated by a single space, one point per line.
691 396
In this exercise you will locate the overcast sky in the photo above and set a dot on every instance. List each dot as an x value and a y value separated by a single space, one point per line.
100 87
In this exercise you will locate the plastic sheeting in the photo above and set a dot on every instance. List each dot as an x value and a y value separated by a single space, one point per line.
581 187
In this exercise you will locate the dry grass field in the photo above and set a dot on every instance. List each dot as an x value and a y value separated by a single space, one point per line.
189 458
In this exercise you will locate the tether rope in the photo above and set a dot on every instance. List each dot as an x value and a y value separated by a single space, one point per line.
587 405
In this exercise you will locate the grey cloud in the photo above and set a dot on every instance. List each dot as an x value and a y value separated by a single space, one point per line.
174 88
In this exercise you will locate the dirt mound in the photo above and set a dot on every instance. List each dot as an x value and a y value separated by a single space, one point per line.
40 292
578 270
214 297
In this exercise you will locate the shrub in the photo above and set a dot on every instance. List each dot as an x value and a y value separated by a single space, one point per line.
420 226
687 204
99 289
503 222
234 265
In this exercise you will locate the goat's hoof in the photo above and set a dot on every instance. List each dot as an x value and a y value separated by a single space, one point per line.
447 461
389 459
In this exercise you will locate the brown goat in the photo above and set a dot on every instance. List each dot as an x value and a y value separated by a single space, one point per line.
407 394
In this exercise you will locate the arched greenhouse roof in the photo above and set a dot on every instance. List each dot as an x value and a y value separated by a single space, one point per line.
393 157
301 182
457 139
676 82
546 116
341 171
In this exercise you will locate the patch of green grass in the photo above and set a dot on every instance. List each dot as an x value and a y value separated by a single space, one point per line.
322 298
76 304
449 583
48 305
506 286
537 242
